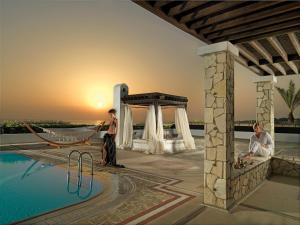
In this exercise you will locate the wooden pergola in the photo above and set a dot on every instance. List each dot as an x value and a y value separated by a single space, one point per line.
156 99
267 33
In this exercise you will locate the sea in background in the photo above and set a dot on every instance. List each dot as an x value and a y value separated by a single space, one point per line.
278 122
87 122
75 122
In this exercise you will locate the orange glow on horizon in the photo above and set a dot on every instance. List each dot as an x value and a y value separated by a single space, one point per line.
99 104
98 97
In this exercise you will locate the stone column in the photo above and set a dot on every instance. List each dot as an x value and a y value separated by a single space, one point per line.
219 122
265 102
120 91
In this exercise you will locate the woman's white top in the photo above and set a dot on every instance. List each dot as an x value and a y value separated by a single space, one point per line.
264 139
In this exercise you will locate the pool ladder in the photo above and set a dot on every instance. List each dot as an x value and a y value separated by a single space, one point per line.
79 177
79 161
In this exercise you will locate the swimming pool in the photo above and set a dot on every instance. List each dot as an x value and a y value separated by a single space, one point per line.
29 187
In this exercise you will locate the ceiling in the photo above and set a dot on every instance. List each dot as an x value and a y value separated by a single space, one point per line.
267 33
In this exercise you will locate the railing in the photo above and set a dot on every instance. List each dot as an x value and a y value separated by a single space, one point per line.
79 172
92 163
79 160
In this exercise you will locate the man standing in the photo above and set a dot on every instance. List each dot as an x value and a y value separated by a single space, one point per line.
109 145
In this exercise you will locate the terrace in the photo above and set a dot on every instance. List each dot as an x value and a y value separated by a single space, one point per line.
245 32
167 189
200 186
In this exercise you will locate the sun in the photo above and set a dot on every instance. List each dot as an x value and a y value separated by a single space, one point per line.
97 98
96 102
99 104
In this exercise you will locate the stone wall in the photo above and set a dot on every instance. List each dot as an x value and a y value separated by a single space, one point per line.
243 182
265 105
246 181
219 127
285 166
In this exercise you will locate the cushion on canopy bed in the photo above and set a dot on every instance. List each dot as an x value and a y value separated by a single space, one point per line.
169 145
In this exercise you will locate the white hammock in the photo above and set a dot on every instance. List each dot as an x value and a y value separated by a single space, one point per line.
72 136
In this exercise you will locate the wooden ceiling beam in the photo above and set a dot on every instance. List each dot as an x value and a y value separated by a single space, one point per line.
206 11
277 59
253 26
260 33
265 35
195 9
261 50
169 19
244 63
278 47
280 68
159 4
211 22
185 6
276 10
248 55
294 41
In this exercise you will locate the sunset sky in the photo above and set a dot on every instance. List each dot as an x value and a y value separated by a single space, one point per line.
61 58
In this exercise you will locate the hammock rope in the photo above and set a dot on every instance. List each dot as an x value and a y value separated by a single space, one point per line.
60 144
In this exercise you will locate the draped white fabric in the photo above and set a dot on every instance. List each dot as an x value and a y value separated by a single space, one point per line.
159 147
160 127
150 128
128 128
183 129
154 135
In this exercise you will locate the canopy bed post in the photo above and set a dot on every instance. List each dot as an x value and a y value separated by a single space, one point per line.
156 113
120 91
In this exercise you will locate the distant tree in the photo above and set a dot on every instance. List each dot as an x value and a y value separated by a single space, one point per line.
291 98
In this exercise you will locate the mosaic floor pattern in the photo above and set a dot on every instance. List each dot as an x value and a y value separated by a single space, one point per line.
132 196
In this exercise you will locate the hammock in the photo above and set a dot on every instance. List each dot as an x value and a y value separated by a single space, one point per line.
61 136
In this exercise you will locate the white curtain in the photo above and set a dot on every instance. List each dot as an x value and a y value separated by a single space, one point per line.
128 128
150 128
159 148
183 128
154 135
160 127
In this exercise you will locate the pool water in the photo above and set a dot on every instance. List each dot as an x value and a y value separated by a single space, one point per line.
30 187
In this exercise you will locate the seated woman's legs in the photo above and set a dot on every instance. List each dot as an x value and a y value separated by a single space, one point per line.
262 151
255 147
259 150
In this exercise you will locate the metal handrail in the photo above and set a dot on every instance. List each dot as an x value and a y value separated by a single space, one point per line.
92 161
79 183
79 180
90 189
78 160
79 177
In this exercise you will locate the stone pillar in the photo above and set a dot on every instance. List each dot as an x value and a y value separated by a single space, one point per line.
219 122
120 90
265 102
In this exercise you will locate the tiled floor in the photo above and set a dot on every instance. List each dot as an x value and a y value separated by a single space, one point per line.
166 189
130 197
275 202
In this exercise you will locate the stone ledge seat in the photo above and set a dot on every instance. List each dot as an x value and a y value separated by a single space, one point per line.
257 160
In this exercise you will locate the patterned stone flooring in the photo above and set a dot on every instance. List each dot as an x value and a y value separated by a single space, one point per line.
130 197
152 189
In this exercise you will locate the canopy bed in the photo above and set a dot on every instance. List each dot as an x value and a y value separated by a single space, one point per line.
153 140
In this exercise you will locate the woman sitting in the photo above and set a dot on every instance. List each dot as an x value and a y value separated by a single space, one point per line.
261 143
